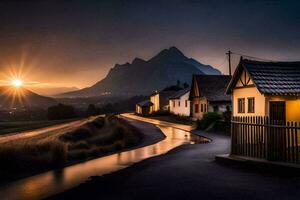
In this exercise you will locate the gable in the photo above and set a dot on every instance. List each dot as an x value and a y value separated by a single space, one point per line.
244 80
194 92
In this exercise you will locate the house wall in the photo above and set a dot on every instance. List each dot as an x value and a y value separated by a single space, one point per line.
138 109
181 109
259 105
292 105
155 100
262 103
199 101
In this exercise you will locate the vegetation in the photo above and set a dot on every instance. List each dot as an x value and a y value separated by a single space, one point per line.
166 116
92 110
121 106
208 119
18 126
60 111
28 156
177 87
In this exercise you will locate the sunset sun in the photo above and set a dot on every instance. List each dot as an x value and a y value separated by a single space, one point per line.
17 83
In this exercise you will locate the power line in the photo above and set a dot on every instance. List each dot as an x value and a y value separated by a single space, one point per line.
256 58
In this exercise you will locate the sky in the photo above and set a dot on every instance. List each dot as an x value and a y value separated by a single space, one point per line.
73 43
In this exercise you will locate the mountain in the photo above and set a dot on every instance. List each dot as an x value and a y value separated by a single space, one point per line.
52 91
143 77
11 97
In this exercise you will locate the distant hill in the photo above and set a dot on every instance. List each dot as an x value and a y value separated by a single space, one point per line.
11 97
51 91
142 77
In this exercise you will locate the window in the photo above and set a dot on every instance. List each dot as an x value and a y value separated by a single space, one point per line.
201 107
186 103
173 103
205 108
196 108
178 103
251 104
241 105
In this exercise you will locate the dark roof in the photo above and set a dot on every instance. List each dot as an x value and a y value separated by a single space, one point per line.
273 78
213 87
164 97
180 93
145 103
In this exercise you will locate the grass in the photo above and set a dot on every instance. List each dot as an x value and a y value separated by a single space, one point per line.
29 156
18 126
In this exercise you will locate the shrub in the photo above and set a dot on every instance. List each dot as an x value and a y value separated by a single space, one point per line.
207 120
160 113
99 122
76 135
79 145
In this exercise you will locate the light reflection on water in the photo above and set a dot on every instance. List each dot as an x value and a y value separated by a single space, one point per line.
53 182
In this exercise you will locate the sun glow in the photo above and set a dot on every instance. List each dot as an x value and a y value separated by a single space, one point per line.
17 83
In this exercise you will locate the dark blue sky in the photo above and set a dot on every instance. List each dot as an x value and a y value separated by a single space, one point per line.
76 42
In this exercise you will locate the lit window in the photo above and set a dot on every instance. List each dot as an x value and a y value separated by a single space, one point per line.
241 105
251 105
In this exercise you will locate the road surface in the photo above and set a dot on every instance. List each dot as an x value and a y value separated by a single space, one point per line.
53 129
190 172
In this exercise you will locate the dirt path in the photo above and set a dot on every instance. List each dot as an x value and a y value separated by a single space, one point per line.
46 131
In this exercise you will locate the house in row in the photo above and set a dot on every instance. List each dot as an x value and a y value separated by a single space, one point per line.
180 104
144 107
208 94
158 101
266 110
266 89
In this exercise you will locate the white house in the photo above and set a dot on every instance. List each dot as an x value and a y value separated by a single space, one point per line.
179 103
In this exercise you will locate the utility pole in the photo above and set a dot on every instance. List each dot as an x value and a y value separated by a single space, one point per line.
229 61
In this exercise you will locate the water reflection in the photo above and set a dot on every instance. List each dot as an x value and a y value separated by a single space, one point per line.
53 182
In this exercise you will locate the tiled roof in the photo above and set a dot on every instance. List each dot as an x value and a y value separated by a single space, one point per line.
213 87
273 78
180 93
145 103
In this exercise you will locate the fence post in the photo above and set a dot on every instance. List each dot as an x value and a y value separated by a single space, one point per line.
267 132
232 136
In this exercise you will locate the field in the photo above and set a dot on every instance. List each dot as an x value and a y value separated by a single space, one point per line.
26 157
18 126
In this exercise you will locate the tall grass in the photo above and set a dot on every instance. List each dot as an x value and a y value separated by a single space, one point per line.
28 156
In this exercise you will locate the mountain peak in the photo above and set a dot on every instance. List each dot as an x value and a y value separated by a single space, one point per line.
175 50
171 54
137 61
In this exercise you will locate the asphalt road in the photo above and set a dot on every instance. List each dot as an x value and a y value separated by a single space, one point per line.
50 130
190 172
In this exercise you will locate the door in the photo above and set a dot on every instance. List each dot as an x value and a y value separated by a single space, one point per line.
277 112
277 139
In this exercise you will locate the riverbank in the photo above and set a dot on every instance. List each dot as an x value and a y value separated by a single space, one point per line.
26 157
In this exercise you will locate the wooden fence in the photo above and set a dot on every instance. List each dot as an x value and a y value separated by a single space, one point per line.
259 137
